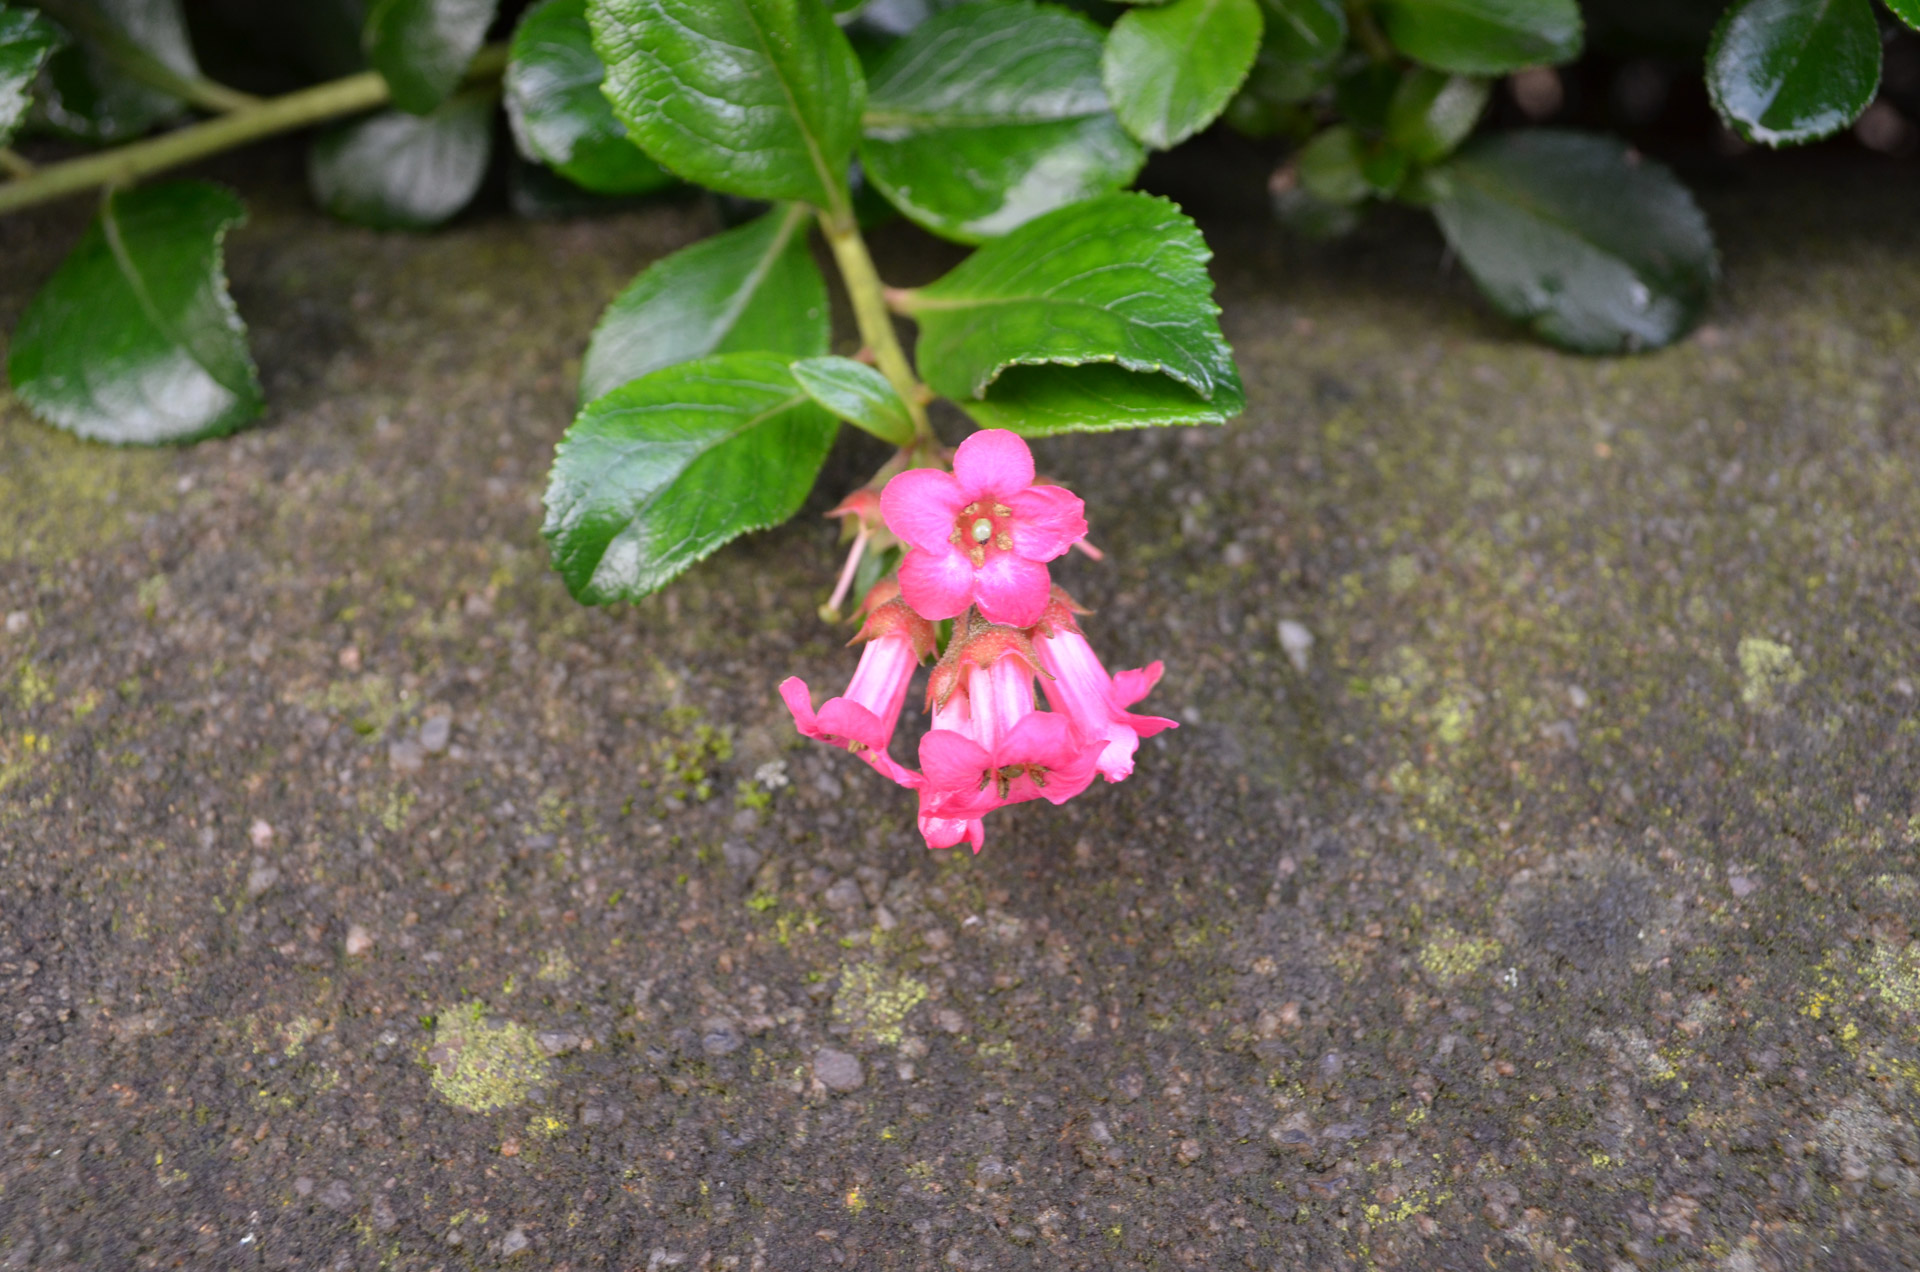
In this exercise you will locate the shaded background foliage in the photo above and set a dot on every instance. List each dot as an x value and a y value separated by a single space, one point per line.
1527 127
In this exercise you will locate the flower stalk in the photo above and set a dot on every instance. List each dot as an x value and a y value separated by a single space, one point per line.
868 295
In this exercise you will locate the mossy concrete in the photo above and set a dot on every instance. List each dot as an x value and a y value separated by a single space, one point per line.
1556 911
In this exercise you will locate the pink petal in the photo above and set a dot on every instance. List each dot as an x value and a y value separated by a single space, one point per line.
920 506
1145 725
793 691
992 462
1008 589
1044 738
1116 757
953 763
945 832
1046 521
937 586
890 768
1131 686
841 718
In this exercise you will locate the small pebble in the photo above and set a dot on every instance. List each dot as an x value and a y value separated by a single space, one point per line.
260 833
337 1196
843 895
720 1036
303 1187
838 1070
260 878
1189 1152
991 1172
436 733
949 1021
1297 642
17 622
359 941
559 1044
406 755
516 1242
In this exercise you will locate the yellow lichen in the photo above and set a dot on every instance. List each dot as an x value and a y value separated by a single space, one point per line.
1767 670
1452 956
875 1001
1895 976
481 1065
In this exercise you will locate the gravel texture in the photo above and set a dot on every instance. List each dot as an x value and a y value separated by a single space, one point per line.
1531 884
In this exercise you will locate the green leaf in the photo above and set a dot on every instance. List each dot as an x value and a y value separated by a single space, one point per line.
134 338
399 171
1581 239
663 470
85 95
559 116
1096 398
1783 72
1307 31
422 47
1330 166
759 98
857 394
26 41
1121 279
1302 42
990 114
1483 37
753 287
1908 11
1170 71
1432 113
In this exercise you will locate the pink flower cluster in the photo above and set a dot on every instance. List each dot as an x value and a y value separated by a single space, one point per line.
978 540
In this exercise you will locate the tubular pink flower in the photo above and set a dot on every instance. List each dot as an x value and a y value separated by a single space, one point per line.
862 719
1079 688
989 747
982 534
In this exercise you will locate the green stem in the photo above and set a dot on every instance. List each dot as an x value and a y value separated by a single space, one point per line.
15 164
85 21
868 294
126 164
1367 33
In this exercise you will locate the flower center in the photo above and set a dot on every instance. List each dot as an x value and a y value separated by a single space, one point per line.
983 525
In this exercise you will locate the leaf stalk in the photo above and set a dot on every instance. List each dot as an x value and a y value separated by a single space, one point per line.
124 165
869 297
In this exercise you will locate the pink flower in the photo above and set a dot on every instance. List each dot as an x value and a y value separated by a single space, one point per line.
988 746
1079 688
982 534
862 719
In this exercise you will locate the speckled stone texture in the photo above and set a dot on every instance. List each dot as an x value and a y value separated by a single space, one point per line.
365 903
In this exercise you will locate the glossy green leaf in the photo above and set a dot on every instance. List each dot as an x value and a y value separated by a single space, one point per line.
84 95
1097 397
1483 37
559 115
1120 279
26 41
1300 45
990 114
1170 71
753 287
1330 166
1908 11
857 394
399 171
1309 31
1782 72
759 98
422 47
1581 239
664 469
134 338
1432 113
